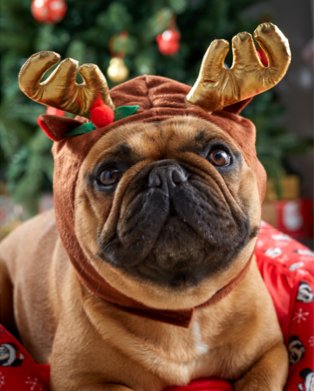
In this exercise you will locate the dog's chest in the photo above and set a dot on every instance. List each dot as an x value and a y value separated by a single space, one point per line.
177 357
167 354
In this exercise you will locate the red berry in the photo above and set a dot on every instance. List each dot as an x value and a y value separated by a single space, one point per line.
101 115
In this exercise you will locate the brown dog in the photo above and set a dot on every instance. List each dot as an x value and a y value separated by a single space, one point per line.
159 218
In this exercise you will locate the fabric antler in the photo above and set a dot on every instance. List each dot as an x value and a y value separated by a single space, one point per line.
60 89
218 87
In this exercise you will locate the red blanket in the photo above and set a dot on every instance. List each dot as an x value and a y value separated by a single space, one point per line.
288 271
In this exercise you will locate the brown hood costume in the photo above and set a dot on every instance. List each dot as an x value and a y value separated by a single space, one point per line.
158 99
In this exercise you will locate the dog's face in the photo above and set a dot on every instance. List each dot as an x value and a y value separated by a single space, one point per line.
169 205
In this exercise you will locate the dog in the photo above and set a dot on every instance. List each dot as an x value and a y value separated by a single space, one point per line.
144 276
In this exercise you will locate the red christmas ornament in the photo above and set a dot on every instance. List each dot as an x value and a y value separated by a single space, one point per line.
49 11
168 42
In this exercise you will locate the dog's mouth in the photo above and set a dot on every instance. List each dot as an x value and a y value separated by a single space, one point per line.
177 236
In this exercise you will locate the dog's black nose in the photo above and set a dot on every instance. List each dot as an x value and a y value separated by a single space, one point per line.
167 174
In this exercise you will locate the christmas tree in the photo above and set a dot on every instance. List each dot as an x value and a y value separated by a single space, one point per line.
125 38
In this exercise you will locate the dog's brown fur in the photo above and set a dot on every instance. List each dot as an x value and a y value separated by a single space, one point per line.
93 345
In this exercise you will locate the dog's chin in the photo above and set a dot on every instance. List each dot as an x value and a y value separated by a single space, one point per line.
180 258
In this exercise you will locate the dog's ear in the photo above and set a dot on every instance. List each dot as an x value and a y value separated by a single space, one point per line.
57 127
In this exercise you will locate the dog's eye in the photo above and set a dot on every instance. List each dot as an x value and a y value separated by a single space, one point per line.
109 177
219 157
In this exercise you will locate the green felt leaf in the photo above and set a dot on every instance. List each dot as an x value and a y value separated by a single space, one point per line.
85 128
124 111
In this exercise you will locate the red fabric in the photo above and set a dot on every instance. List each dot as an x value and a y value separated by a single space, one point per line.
204 385
18 371
287 268
288 271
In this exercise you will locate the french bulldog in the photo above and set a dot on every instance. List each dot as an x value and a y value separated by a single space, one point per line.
144 275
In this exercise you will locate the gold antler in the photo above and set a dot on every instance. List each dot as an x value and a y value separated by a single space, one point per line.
60 90
217 87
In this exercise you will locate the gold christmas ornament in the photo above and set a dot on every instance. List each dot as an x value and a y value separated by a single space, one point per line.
217 86
117 70
60 89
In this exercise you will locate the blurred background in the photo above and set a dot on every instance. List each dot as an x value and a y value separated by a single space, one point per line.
168 37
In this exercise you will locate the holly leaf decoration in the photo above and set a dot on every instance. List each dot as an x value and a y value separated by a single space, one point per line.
124 111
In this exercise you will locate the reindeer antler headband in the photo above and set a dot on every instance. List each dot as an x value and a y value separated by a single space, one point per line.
215 88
